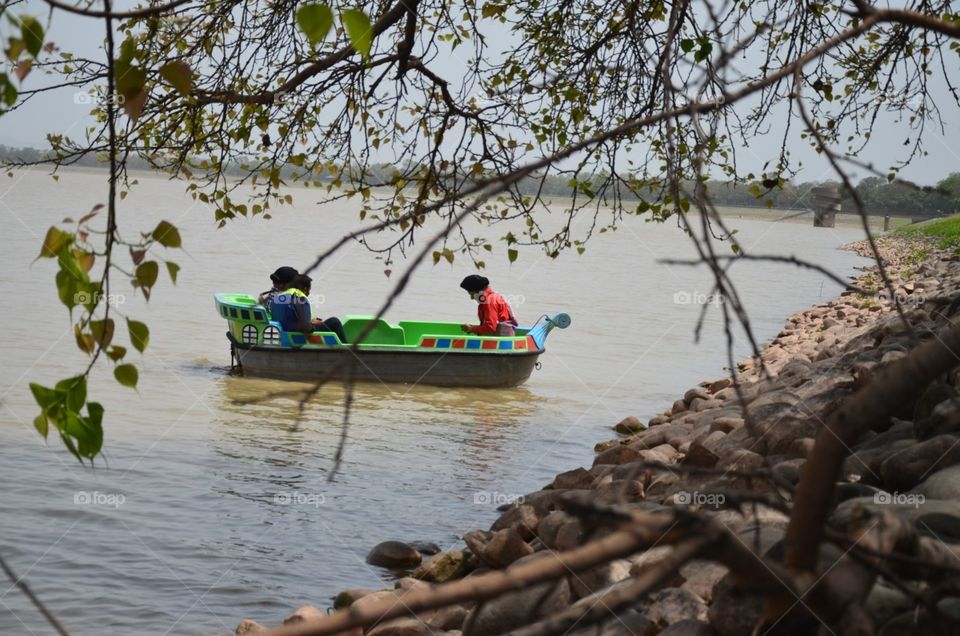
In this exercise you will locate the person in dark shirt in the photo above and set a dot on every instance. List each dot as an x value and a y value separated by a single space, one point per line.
495 314
282 278
291 308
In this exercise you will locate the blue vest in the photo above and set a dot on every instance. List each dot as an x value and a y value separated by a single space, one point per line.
290 308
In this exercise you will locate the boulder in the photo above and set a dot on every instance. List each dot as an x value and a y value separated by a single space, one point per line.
689 627
701 577
301 614
518 607
503 548
625 623
696 392
425 547
906 468
523 518
346 598
726 424
401 627
943 484
248 626
674 604
576 478
444 567
394 555
629 425
944 418
617 455
599 578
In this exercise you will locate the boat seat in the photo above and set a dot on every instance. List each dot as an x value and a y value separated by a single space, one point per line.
382 332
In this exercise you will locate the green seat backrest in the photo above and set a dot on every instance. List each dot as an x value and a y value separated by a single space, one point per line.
382 332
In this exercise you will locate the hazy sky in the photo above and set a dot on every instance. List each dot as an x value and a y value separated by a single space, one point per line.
58 111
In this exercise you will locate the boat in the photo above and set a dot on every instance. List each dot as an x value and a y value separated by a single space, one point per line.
410 351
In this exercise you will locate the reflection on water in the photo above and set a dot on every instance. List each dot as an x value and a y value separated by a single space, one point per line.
228 508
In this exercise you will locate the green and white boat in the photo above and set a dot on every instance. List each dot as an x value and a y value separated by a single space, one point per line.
410 351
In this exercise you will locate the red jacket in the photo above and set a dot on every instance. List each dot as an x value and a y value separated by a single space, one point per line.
492 310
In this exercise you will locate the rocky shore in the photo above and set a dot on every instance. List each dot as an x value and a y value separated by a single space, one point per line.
699 451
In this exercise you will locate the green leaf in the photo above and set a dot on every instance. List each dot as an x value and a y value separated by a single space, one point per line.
167 234
686 45
147 274
704 51
32 33
358 30
41 424
178 75
139 335
102 331
68 290
76 391
172 269
116 352
130 79
315 21
9 91
127 375
128 50
512 255
44 396
54 242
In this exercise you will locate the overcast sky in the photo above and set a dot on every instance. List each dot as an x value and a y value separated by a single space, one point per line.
58 112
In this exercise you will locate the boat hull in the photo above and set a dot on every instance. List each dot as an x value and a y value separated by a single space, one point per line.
441 368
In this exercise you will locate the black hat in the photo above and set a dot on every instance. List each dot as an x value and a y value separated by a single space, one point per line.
284 275
474 283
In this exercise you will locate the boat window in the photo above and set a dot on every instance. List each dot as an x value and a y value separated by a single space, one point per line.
271 336
249 334
233 312
245 314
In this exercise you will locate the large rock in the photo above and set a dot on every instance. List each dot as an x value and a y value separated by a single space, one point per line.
394 555
689 627
576 478
701 577
347 598
599 578
248 626
944 418
675 604
444 567
519 607
617 455
302 614
503 548
943 484
908 467
629 425
626 623
523 518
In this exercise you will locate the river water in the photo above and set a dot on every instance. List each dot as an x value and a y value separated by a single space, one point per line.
204 510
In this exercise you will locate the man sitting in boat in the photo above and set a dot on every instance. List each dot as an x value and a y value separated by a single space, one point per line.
282 278
291 308
496 316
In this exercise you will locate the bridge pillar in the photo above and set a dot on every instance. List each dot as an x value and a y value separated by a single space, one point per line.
826 206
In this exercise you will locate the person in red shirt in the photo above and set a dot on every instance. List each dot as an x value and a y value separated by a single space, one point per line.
493 310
